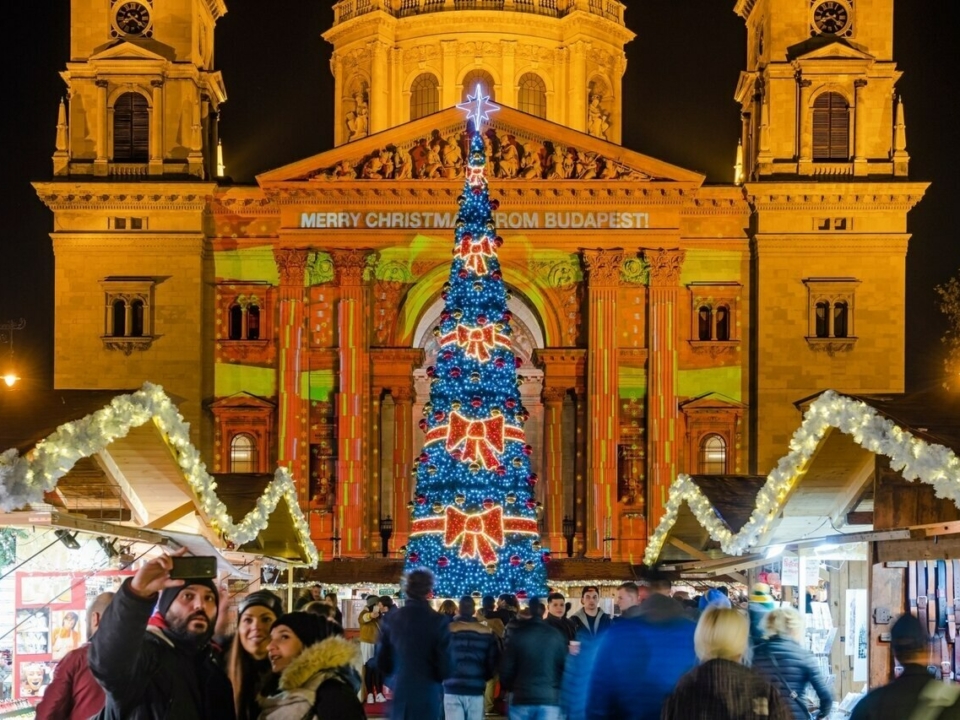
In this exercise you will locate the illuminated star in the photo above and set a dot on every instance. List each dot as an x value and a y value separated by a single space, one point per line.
478 107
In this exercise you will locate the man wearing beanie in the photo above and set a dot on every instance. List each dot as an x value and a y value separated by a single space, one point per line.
161 664
916 693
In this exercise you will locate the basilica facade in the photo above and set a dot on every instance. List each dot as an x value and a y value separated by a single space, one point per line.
665 325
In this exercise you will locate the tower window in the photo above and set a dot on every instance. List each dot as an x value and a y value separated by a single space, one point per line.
424 96
243 454
481 77
131 128
532 97
253 322
713 455
136 318
723 323
705 323
823 319
119 319
832 307
840 315
831 127
244 318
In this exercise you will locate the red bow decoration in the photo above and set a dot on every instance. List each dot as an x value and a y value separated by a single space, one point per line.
482 439
481 532
473 254
477 342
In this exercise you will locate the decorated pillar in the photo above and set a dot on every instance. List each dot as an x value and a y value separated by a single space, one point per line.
106 119
351 402
662 410
448 86
293 446
577 92
402 460
156 129
860 128
806 122
508 90
603 267
553 466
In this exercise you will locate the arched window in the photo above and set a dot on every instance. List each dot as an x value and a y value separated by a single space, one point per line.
723 323
840 316
119 318
532 97
831 127
131 128
253 322
823 319
236 322
704 322
136 318
424 96
243 454
473 78
713 455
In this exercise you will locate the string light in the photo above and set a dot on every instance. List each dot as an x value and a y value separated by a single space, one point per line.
24 480
913 458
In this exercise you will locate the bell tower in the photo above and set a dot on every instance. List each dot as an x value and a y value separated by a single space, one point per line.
818 94
399 60
142 98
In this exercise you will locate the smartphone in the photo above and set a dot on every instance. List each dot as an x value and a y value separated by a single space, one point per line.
185 568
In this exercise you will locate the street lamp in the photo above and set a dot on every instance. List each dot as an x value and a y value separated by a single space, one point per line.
7 329
386 532
569 531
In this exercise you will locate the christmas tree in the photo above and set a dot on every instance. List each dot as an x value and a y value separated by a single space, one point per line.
475 514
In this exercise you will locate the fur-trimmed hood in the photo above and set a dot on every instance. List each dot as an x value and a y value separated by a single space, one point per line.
324 660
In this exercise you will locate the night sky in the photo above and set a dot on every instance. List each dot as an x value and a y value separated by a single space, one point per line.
682 71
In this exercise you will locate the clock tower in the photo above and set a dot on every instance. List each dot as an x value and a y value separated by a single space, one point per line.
142 97
826 175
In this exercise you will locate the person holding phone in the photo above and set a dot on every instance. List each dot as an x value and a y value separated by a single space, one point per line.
161 664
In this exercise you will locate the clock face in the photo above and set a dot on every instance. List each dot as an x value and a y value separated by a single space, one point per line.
831 17
132 18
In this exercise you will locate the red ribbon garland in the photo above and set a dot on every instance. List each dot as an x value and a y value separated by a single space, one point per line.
482 440
473 254
477 342
481 532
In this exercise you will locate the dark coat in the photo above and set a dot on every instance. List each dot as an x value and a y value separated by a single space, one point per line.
796 666
475 651
566 627
582 624
321 682
533 661
146 675
724 690
639 663
74 693
415 658
898 700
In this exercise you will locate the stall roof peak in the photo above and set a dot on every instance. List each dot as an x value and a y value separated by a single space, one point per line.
521 148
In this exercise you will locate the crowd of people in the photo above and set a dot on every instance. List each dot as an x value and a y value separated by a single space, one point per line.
161 648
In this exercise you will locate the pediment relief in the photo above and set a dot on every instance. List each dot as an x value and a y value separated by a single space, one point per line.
711 401
142 49
520 147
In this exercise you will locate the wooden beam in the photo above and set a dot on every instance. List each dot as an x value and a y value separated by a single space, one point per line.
689 549
860 517
108 514
947 548
171 517
26 518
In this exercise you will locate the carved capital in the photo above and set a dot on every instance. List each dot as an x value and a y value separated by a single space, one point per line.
553 395
603 267
291 263
665 266
348 265
156 84
860 83
101 83
402 395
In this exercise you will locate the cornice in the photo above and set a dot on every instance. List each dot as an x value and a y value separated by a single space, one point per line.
857 197
127 196
834 243
194 242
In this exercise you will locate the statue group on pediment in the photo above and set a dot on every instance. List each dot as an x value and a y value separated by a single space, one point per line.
438 157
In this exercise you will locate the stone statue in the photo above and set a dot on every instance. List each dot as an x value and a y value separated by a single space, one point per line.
373 168
451 154
386 157
433 166
342 171
598 120
555 164
509 160
569 164
531 167
357 120
403 165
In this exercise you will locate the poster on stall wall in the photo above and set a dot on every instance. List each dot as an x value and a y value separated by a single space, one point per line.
790 571
856 632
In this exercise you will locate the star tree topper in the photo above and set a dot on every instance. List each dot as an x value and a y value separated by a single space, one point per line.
478 107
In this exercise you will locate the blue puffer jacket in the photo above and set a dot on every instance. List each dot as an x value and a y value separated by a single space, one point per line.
797 667
475 650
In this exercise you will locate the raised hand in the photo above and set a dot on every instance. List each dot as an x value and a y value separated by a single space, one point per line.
154 576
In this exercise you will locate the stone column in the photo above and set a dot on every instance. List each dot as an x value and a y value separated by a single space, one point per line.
603 286
402 462
339 129
508 87
553 468
352 409
448 83
293 446
580 478
106 115
156 129
662 410
806 122
379 90
860 128
577 92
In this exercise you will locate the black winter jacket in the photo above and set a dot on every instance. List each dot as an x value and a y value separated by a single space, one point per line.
533 662
147 676
475 651
900 698
797 667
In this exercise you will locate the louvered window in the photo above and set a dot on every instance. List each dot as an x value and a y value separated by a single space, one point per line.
131 128
831 128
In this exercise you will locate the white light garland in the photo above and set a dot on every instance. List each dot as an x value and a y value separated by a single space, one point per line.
24 480
913 458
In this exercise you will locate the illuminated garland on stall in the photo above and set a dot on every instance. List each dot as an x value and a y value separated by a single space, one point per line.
24 480
913 458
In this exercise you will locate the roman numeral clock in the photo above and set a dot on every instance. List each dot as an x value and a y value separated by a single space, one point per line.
131 18
831 17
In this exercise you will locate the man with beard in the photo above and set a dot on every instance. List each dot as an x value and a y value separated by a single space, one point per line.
161 664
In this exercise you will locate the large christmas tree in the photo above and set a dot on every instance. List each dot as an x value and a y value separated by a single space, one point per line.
475 513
